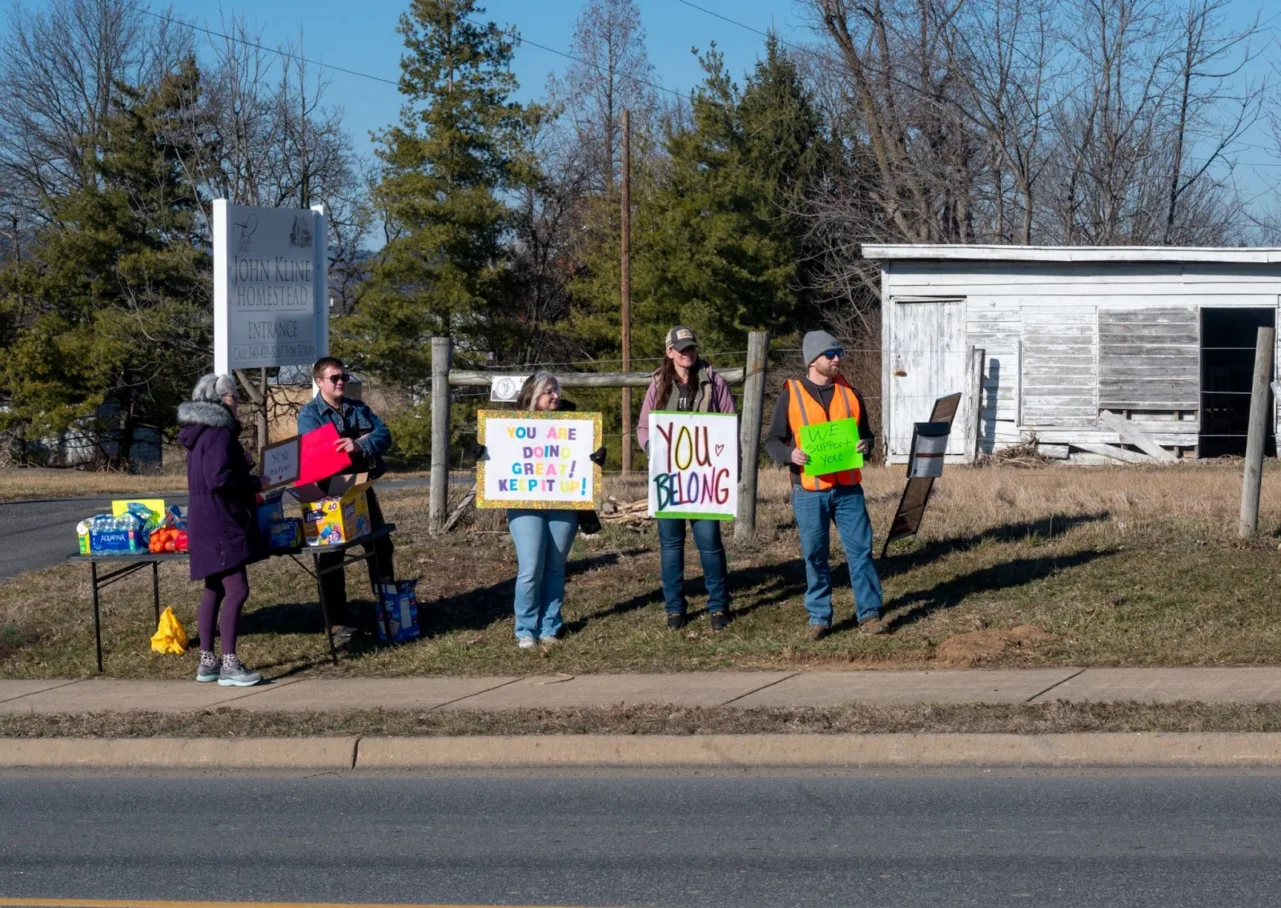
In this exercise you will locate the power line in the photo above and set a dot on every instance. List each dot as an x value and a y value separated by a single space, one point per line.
270 50
517 37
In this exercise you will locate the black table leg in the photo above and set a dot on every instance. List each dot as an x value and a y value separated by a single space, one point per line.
155 589
97 620
324 609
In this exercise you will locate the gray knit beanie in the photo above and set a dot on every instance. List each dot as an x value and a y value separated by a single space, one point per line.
815 343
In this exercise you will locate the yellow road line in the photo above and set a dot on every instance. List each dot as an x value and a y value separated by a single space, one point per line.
163 903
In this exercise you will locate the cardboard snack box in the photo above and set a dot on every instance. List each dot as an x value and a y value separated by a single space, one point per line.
335 510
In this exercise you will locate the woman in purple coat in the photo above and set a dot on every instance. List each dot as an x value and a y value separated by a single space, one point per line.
222 522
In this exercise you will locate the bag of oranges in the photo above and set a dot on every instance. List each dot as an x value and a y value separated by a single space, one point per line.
167 540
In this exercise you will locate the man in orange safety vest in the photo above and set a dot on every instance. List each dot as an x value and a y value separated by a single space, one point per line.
824 395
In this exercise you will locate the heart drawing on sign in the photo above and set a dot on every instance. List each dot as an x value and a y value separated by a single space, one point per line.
720 449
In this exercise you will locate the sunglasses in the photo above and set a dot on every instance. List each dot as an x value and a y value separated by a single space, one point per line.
335 379
834 353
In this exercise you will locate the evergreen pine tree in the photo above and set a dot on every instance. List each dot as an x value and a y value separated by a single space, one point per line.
447 165
111 311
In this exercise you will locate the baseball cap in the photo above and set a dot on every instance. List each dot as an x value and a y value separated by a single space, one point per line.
681 338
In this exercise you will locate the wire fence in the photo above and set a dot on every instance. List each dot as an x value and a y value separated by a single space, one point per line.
918 376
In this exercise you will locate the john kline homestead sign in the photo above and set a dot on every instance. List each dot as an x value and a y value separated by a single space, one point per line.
270 287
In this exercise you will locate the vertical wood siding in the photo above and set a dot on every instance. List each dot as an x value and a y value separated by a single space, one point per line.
994 326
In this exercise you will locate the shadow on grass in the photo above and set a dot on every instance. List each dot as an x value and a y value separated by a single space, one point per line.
283 618
478 609
1051 527
913 607
778 583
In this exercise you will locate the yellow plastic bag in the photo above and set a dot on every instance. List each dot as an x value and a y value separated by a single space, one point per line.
170 637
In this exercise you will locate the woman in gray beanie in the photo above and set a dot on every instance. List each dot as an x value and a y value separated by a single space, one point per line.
222 522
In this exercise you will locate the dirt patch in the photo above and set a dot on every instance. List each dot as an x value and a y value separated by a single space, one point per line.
977 647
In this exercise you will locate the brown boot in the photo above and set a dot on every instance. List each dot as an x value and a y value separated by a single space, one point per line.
817 631
873 626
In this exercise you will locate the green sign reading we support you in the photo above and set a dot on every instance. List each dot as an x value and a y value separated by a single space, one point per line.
832 447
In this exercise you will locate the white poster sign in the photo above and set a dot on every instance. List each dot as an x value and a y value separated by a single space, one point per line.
693 465
537 460
271 289
506 388
281 462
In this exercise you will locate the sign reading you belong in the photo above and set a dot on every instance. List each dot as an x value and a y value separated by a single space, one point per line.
693 465
537 460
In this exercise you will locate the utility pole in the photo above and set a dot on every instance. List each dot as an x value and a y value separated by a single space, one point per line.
626 311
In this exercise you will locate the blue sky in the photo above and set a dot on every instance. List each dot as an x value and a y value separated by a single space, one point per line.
362 37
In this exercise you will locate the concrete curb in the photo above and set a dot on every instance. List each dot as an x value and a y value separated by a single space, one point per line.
1108 750
177 753
887 750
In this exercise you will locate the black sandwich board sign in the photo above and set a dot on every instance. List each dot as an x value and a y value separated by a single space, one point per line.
924 465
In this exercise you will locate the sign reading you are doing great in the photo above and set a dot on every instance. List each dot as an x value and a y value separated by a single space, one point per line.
693 465
537 460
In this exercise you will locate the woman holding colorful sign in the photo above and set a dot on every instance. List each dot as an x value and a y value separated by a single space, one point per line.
222 523
543 536
685 383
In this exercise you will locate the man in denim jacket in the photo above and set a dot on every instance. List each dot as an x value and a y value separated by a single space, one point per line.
365 438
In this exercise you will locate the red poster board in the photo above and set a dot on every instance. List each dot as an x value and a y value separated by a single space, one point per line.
319 458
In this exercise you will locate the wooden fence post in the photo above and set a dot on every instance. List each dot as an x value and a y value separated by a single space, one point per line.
258 397
975 365
442 353
750 438
1253 479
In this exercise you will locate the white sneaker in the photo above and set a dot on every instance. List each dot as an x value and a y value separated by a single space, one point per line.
526 642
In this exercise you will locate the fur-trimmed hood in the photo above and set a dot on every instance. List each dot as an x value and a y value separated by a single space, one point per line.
197 416
201 413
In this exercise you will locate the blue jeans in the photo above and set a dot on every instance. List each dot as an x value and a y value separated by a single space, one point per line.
671 541
815 512
543 540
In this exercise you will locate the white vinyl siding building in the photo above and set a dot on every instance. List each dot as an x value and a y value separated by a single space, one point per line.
1075 337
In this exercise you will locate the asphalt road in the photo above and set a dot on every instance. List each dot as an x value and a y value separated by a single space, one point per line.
977 839
40 534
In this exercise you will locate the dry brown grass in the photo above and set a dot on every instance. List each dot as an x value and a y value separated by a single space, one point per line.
18 483
1023 719
36 482
1014 567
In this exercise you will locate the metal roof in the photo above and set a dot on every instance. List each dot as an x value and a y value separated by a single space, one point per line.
976 253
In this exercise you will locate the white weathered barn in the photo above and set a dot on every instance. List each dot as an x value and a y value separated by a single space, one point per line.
1076 339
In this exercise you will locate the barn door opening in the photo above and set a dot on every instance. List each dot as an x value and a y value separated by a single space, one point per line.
927 361
1228 338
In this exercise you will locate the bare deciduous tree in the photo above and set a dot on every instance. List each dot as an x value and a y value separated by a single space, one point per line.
609 39
58 80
